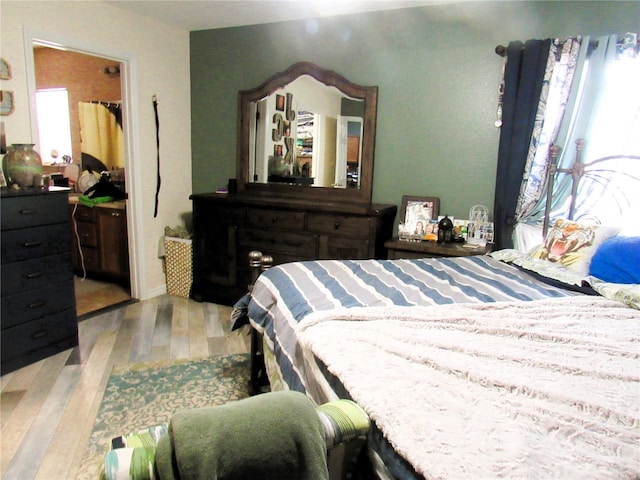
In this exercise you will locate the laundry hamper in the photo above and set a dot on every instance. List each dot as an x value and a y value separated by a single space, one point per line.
178 266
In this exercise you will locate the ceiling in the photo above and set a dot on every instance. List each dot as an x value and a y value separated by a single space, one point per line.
208 14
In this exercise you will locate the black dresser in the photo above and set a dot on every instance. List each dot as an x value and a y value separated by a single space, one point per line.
38 300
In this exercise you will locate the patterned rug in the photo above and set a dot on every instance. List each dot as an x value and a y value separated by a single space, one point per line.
142 395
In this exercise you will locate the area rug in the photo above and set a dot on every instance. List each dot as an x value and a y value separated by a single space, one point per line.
142 395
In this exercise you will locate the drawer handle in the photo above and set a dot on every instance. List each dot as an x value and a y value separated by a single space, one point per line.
31 244
336 225
115 214
34 275
28 212
39 334
37 304
274 219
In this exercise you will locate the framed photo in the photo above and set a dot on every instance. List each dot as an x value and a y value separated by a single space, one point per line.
280 103
416 213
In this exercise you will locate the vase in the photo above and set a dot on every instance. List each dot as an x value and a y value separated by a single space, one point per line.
22 165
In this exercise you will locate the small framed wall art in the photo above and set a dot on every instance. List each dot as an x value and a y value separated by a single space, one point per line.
6 102
5 70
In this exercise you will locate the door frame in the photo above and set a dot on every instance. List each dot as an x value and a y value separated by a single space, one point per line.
130 109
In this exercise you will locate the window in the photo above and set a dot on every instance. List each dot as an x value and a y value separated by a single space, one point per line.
610 190
54 129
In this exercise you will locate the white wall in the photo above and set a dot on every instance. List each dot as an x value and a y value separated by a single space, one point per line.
158 64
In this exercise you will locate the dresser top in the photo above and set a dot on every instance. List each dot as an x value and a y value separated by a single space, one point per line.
240 199
25 192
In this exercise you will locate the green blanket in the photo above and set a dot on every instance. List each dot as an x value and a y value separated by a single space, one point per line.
277 435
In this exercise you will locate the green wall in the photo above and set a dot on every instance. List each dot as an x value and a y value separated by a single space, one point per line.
437 75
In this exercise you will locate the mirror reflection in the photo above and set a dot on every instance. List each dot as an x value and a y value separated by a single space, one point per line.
307 133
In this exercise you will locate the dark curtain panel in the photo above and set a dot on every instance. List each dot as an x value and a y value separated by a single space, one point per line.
523 77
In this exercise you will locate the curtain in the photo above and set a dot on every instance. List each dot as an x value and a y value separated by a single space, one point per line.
102 138
524 76
562 64
605 112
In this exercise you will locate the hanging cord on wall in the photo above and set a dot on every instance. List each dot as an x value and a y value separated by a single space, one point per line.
78 243
158 181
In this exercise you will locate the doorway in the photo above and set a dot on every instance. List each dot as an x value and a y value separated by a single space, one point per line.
95 292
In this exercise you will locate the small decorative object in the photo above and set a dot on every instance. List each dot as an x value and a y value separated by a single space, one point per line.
277 165
460 229
408 233
3 140
22 164
445 230
479 227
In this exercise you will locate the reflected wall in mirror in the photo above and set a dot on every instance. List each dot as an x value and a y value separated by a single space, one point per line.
307 127
302 136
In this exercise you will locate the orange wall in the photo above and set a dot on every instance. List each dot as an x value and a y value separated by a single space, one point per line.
84 78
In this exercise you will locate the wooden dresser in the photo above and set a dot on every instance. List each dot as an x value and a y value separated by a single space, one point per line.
227 227
38 300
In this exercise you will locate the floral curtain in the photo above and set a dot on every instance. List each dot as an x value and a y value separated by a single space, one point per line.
556 88
603 108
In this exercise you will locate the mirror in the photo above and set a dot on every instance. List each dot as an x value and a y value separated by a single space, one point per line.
307 133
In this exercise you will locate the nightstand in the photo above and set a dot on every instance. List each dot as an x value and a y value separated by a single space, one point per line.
403 249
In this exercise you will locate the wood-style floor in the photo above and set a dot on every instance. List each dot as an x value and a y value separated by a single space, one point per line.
95 295
48 408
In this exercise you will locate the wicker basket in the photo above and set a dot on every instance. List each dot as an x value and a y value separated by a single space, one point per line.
178 266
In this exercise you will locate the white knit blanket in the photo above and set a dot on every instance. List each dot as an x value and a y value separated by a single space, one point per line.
543 389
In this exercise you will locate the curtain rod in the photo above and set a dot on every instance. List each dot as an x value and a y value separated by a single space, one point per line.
501 50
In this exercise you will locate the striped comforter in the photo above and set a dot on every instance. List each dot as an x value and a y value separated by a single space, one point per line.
286 294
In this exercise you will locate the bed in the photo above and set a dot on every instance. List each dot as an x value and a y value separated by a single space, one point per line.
498 365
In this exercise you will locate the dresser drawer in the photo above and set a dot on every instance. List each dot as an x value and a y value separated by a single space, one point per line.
37 273
289 220
39 338
34 304
232 216
32 210
28 243
342 225
342 247
271 241
87 234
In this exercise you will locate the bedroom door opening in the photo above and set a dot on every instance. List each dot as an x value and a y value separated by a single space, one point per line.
100 292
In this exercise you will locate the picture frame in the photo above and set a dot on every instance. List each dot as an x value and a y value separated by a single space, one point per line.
7 105
280 103
417 211
5 70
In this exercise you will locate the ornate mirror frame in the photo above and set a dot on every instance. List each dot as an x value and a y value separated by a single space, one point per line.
369 94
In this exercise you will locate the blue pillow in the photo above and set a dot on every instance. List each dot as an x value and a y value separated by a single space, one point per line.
617 260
